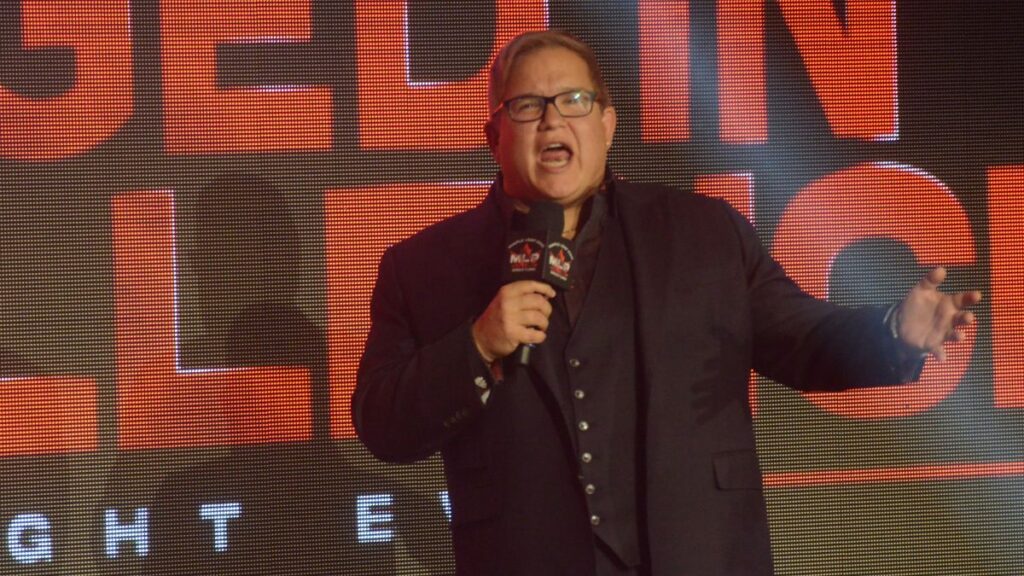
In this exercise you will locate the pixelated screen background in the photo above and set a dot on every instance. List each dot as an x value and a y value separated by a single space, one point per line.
194 195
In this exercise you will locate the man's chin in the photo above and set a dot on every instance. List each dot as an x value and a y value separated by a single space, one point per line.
560 194
563 193
565 199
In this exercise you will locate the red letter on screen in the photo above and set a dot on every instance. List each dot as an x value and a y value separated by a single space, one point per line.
395 114
160 405
361 223
100 100
47 415
664 70
736 189
852 67
878 201
1006 212
741 88
199 117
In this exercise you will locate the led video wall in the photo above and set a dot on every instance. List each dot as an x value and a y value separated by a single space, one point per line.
194 195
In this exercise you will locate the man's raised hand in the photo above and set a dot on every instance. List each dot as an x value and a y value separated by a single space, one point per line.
928 318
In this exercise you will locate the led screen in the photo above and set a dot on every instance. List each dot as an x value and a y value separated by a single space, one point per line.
194 195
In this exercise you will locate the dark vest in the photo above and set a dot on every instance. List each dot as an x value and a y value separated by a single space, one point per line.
590 365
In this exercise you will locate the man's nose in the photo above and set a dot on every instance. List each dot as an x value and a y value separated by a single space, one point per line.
551 115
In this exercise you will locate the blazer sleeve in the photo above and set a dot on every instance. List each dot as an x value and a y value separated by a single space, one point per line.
810 344
412 397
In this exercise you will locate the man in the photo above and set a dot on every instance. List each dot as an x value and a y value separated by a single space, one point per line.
626 447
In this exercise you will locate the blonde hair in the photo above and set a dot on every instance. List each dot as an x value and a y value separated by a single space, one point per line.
532 41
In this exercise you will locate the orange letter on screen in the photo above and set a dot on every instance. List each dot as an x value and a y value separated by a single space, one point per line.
47 415
360 224
200 117
395 114
852 67
1006 212
664 70
100 100
878 201
159 405
741 89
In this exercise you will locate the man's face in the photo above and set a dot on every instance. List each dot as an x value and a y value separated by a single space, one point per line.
552 158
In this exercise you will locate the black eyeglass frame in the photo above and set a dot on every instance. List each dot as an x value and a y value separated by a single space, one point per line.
552 100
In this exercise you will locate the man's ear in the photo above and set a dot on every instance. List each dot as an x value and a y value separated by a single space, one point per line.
491 131
609 119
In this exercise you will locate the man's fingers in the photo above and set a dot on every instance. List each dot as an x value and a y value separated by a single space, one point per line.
936 318
516 326
963 319
534 319
539 288
966 299
536 302
521 287
933 278
545 307
530 335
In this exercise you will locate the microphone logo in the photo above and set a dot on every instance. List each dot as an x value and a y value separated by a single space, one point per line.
524 256
560 258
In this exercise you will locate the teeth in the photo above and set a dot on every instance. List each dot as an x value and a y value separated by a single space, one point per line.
561 160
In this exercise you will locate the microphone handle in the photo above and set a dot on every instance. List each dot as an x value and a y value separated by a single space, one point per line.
523 354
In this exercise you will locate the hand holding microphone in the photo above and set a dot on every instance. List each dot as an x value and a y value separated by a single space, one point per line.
518 314
538 260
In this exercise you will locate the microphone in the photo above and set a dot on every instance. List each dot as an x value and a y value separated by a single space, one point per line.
538 251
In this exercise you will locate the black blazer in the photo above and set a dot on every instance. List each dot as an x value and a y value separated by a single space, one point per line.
710 305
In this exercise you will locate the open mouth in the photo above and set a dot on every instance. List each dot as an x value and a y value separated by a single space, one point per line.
555 155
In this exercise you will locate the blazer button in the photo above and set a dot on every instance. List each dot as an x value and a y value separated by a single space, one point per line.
586 457
583 426
574 362
579 394
595 520
590 489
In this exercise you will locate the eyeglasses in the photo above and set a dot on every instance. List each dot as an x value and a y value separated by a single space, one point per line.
571 104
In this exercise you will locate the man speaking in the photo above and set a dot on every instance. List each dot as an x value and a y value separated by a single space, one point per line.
624 445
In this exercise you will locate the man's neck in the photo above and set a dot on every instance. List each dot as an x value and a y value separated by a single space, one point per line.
571 218
574 214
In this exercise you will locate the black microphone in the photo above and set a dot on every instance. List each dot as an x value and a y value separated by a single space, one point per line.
538 251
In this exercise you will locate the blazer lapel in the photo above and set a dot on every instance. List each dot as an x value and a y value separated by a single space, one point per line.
477 255
646 228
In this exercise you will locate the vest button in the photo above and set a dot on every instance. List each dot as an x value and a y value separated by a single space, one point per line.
595 520
579 394
590 489
583 426
574 362
586 457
